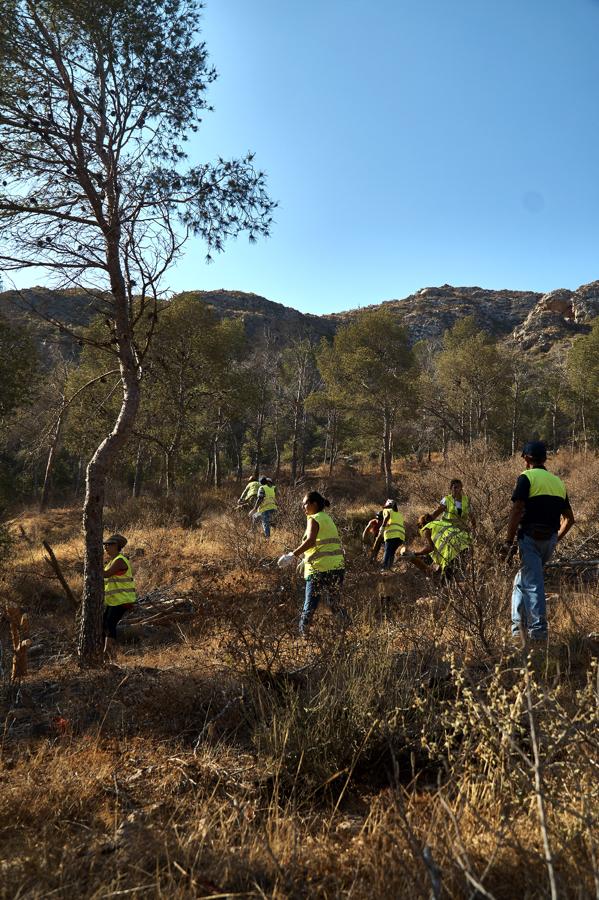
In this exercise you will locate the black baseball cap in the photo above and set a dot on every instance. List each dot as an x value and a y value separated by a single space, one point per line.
535 449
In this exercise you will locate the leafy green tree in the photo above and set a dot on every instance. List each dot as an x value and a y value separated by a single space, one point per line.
474 375
97 98
19 368
189 371
375 371
583 377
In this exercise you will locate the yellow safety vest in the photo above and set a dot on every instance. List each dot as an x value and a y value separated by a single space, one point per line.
545 484
451 510
393 525
327 553
250 490
449 541
269 501
119 589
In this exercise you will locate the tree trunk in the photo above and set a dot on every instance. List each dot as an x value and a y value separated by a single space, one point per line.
168 474
90 632
136 491
333 448
303 445
78 477
258 456
50 462
217 467
387 452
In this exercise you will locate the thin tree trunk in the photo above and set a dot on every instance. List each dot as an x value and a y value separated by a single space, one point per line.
258 456
50 462
78 476
168 475
217 466
90 632
136 491
387 452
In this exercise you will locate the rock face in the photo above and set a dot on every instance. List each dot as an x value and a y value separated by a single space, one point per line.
432 310
535 322
557 318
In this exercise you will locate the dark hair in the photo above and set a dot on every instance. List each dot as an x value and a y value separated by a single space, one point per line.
264 480
315 497
454 482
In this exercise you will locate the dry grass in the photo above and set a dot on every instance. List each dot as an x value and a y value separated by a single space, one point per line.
415 756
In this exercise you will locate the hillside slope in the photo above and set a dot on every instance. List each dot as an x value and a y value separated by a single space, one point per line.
538 323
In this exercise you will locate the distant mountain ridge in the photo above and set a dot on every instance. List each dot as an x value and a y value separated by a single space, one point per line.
537 323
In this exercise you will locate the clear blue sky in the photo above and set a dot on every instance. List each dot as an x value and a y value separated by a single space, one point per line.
408 143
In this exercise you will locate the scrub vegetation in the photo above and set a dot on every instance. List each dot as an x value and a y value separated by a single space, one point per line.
418 754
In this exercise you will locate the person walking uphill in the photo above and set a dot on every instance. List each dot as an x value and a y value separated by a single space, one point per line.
541 515
324 563
119 590
249 492
392 532
265 505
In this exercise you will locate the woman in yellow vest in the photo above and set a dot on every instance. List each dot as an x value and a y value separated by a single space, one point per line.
444 545
119 590
324 563
392 532
455 507
265 505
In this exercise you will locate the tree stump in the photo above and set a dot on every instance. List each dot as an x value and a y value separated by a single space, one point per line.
19 630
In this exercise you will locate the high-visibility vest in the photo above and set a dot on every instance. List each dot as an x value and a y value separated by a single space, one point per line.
544 484
250 490
119 589
393 525
448 540
451 510
269 501
327 553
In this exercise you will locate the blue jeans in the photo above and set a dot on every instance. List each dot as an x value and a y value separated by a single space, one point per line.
390 550
265 516
528 596
323 586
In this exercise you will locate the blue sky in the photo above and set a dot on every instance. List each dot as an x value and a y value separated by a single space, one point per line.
408 143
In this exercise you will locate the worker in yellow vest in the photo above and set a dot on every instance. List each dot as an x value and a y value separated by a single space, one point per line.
455 507
392 532
444 546
324 562
265 505
541 516
250 492
119 590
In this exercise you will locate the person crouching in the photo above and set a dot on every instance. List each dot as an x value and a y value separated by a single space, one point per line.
119 591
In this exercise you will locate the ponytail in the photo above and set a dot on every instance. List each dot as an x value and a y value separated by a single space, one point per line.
318 499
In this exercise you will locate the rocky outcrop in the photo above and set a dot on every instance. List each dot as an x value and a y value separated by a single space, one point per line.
557 318
432 310
535 322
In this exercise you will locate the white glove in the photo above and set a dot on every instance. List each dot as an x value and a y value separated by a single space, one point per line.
287 559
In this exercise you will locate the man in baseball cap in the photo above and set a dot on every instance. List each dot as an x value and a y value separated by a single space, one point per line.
541 516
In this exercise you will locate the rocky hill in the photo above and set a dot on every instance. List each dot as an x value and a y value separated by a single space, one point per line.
538 323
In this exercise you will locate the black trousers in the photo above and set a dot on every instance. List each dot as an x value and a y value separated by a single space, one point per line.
112 617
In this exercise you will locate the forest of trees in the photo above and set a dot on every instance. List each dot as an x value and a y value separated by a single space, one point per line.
215 406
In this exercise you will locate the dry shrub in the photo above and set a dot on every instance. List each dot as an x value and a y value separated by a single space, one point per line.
408 757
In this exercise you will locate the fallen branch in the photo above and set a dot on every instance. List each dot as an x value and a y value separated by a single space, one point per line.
53 562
